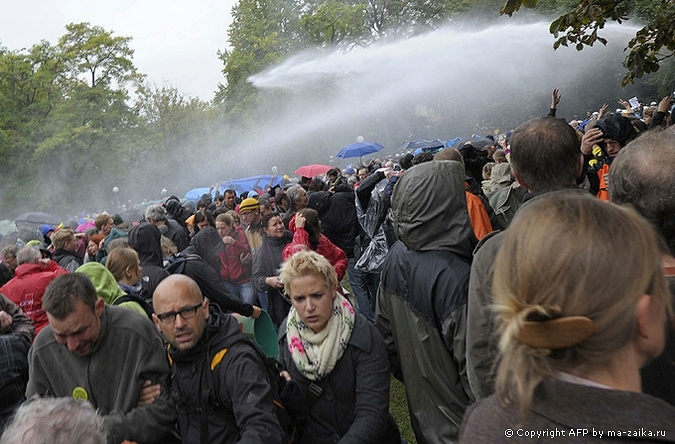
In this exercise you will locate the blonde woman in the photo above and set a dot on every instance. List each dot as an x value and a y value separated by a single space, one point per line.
580 293
336 356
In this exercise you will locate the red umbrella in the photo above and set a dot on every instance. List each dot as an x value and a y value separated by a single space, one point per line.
312 170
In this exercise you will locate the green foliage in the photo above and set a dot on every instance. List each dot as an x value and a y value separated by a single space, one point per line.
579 27
334 23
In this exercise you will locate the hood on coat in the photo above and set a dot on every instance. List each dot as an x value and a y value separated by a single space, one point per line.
103 280
208 244
146 239
429 207
115 233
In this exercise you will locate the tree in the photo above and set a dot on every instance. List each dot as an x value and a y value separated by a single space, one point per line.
652 44
93 51
262 33
334 23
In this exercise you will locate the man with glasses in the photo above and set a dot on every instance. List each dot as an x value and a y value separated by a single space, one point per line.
109 356
219 384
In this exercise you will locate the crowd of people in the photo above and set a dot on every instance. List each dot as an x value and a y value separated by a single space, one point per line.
517 283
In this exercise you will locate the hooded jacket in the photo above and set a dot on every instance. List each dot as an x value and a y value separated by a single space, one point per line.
423 294
146 239
208 244
106 286
247 414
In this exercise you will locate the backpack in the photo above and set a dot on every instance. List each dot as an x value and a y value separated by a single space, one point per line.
277 382
147 307
176 264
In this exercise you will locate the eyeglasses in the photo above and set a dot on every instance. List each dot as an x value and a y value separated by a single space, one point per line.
185 313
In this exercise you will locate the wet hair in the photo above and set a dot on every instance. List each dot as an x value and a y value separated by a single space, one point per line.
596 272
28 255
267 218
62 236
642 176
168 247
425 156
119 260
225 218
304 263
235 216
312 226
102 219
406 161
201 216
545 154
155 212
62 293
293 194
9 252
120 242
55 421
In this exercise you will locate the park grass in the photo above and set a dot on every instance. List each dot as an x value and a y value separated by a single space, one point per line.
398 407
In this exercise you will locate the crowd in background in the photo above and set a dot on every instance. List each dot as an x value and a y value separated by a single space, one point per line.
490 276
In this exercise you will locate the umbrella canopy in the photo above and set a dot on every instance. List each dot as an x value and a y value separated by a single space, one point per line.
239 185
37 218
359 149
421 144
312 170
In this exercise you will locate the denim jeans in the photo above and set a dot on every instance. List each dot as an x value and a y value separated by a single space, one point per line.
364 286
244 292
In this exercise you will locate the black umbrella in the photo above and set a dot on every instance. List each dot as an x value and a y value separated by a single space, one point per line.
38 218
422 144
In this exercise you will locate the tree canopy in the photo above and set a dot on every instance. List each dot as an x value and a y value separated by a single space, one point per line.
580 27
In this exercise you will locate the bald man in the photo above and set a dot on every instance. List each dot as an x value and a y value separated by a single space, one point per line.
204 340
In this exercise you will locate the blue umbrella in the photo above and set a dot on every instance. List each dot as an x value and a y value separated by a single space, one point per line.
359 149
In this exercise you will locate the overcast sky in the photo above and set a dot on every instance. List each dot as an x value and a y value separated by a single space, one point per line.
175 42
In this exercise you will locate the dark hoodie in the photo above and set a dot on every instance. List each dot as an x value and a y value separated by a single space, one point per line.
337 212
146 239
423 293
208 244
248 413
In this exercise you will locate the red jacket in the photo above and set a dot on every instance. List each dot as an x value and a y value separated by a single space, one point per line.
28 286
326 248
231 268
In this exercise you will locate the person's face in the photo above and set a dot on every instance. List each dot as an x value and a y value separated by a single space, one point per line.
92 248
190 311
250 217
363 174
275 227
313 301
612 147
223 229
107 227
203 224
229 201
302 200
80 330
71 245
